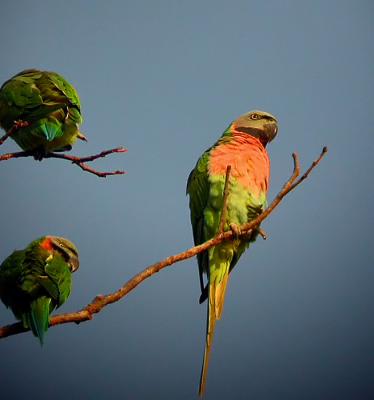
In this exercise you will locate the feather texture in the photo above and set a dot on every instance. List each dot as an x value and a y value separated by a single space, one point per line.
48 103
37 280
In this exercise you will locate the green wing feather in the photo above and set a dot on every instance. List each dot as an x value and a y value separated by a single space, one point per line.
38 317
10 294
198 190
59 280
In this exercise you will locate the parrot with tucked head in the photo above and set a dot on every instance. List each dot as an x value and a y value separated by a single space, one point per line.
243 147
46 107
37 280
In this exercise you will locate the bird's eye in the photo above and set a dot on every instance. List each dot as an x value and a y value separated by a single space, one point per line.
254 116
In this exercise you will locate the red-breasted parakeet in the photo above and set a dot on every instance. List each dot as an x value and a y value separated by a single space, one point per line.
50 107
243 147
37 280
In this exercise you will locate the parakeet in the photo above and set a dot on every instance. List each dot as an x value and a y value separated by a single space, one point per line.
243 147
37 280
50 107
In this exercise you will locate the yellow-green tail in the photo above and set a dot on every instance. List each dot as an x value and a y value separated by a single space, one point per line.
217 293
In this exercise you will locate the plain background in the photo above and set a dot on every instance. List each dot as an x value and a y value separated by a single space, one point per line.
164 79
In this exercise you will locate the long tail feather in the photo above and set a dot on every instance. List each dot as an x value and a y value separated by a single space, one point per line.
217 293
39 317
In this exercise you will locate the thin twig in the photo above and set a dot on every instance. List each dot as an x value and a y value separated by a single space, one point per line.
80 161
102 301
17 125
309 170
224 200
262 233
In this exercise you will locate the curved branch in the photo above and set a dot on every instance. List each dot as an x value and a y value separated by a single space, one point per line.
101 301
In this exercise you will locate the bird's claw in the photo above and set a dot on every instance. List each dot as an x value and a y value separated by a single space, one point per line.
236 230
38 154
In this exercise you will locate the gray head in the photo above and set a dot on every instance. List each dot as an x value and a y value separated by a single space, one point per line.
259 124
67 250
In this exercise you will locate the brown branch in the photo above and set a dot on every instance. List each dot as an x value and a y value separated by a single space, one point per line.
17 125
262 233
102 301
80 161
224 200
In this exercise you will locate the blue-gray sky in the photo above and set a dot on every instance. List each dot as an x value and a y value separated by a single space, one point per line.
164 79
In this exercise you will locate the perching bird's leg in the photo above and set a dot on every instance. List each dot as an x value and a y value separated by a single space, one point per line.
251 235
236 230
17 125
39 153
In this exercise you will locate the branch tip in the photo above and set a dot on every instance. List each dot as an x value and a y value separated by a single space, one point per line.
224 200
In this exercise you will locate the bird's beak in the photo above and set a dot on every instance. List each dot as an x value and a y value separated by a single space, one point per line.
74 263
82 137
272 130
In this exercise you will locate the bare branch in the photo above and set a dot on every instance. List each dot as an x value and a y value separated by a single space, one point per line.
262 233
80 161
102 301
224 201
17 125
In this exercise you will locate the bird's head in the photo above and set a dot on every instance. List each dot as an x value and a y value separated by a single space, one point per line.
64 248
259 124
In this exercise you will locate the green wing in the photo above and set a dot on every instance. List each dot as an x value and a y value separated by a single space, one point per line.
69 94
198 190
60 279
43 97
10 272
18 96
45 275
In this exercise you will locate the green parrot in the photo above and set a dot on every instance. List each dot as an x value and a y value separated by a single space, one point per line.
48 105
243 147
37 280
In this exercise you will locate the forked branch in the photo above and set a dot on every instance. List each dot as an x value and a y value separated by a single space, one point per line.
101 301
80 161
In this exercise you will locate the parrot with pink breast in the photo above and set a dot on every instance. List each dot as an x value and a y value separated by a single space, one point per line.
243 147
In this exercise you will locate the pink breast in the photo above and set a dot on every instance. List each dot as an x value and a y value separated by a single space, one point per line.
250 164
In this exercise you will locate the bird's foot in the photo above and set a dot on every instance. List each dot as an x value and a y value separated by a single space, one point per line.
236 230
39 153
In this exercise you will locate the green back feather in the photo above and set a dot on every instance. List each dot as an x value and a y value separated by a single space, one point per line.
50 105
198 191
